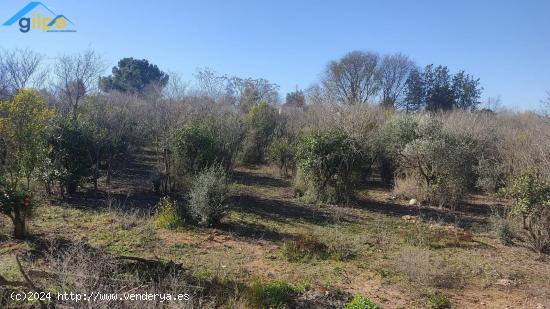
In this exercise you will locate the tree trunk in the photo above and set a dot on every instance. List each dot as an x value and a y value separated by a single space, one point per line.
167 171
19 228
108 180
96 170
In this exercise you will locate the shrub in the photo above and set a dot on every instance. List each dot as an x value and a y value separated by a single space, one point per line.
282 152
328 159
195 148
208 194
277 294
440 162
409 188
390 139
361 302
71 154
489 175
438 301
531 200
261 122
426 269
438 165
305 248
168 215
339 247
230 131
502 228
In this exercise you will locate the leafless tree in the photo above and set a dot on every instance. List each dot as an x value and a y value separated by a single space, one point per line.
176 87
76 75
394 71
210 83
4 85
354 79
258 90
546 104
21 68
236 90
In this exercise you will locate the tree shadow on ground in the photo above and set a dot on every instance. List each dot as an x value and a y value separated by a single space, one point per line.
425 213
99 200
279 210
251 231
116 271
252 179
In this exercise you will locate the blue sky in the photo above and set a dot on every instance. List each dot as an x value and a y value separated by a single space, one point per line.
505 43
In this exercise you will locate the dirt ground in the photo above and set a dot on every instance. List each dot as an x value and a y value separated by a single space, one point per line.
264 214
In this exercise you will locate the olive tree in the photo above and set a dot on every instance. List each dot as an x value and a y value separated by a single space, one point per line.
531 200
328 158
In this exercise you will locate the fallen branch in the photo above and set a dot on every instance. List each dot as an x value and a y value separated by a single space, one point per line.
30 283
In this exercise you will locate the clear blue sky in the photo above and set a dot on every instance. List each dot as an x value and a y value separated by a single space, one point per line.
505 43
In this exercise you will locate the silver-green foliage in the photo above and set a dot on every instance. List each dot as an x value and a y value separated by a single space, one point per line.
207 197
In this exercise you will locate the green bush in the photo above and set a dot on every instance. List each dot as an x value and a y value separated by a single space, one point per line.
438 301
207 197
530 194
442 163
361 302
282 153
328 159
390 139
277 294
489 175
71 154
261 122
168 215
502 227
195 148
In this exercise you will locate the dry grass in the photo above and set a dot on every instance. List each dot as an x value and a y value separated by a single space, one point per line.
426 269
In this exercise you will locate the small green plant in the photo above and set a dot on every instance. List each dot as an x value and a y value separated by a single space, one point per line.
167 215
305 248
208 194
503 230
196 148
361 302
277 294
281 152
531 201
438 301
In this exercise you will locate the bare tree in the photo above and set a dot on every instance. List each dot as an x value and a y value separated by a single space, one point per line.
354 79
546 104
211 84
394 71
176 87
76 75
21 68
258 90
4 84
